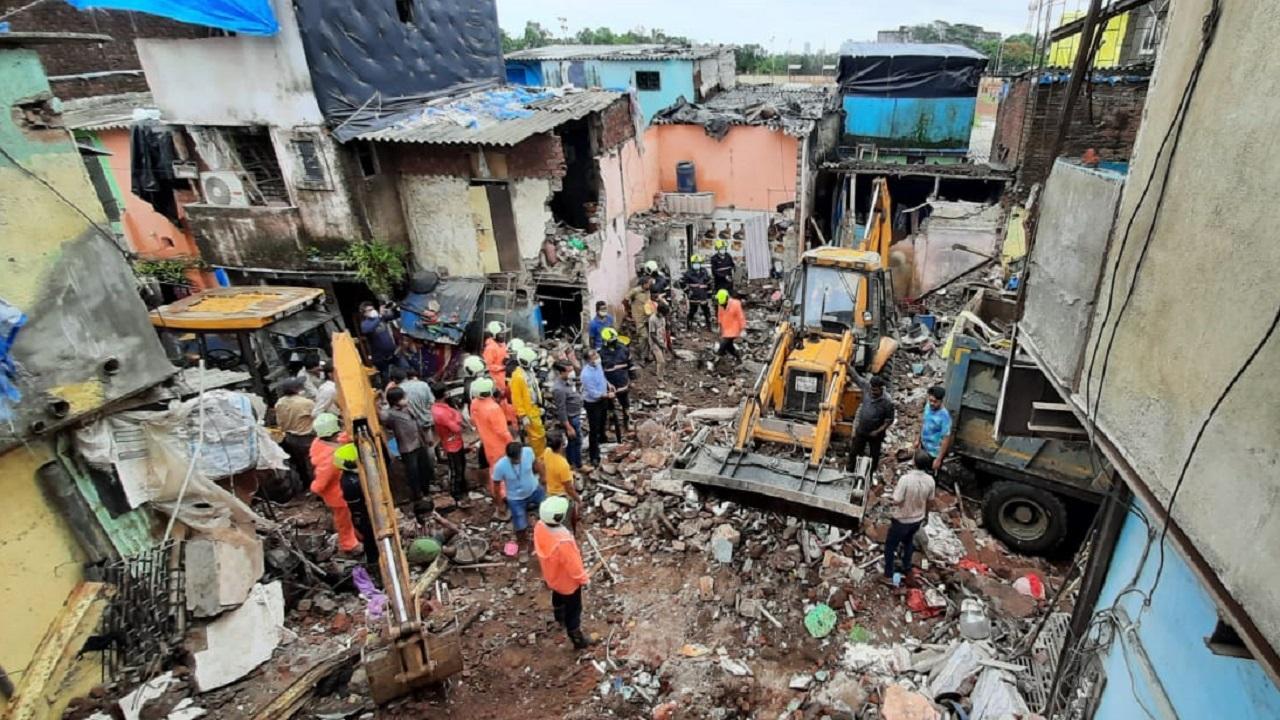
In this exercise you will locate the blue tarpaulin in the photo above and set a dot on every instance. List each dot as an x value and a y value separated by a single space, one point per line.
251 17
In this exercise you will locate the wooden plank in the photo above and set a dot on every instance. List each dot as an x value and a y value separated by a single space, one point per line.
288 703
41 682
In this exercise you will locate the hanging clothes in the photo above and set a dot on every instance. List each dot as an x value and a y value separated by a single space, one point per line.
151 168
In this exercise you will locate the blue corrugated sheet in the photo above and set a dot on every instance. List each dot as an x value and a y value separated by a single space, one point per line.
904 122
249 17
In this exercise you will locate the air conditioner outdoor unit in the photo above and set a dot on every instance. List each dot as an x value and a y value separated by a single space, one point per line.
223 187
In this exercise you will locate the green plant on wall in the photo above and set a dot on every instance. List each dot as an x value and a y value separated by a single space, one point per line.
171 272
377 265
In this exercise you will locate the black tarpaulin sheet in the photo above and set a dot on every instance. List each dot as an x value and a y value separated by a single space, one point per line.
910 76
375 55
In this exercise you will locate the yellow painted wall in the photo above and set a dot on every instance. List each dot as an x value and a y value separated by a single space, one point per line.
1063 52
40 563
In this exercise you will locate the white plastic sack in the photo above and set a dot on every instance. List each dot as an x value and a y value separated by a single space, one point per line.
960 663
942 543
996 696
151 451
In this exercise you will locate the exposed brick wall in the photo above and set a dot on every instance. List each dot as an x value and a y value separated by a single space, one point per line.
78 58
540 156
617 125
1007 147
1106 118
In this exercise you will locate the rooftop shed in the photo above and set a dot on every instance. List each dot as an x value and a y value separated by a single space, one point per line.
910 96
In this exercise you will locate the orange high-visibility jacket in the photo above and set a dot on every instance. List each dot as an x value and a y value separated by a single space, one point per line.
491 423
495 358
559 557
731 318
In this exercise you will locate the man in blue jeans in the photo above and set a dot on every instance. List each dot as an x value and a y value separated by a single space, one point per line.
910 501
515 472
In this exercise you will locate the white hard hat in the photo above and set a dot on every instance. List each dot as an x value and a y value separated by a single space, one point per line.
554 509
495 328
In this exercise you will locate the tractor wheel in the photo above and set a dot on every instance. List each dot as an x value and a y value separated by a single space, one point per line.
1029 520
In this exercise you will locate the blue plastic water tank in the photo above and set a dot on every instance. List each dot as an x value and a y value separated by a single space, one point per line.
686 177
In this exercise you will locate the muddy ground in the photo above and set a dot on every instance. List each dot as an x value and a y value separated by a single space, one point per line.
675 628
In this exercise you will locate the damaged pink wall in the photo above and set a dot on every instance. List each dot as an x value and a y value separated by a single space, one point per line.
751 168
149 233
626 191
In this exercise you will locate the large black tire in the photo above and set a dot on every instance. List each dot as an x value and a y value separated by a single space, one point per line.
1029 520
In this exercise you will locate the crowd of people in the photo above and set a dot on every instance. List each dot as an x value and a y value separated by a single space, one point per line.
528 416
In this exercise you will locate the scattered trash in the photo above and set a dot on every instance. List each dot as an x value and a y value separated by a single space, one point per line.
820 620
974 624
1030 585
859 634
736 668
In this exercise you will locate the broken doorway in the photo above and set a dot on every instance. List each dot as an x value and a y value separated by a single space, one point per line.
561 309
495 223
575 202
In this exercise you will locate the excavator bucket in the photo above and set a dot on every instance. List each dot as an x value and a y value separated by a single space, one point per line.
825 493
403 657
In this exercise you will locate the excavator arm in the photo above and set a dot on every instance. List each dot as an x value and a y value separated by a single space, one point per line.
401 659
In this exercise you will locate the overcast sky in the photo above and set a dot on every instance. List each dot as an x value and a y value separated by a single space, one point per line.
776 24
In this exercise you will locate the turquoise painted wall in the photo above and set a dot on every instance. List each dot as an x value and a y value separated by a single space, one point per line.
1198 683
904 122
676 78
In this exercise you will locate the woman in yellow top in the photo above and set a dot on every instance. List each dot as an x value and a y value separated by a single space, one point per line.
553 467
527 399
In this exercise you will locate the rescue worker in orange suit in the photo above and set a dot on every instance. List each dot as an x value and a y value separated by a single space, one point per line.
732 322
491 424
495 354
327 478
561 562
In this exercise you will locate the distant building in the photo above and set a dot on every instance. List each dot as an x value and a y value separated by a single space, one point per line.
934 31
1128 39
910 101
659 74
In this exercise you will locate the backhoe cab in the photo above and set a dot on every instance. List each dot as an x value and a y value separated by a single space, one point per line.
841 318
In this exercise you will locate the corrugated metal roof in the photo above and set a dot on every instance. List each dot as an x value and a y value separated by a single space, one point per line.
105 112
871 49
617 52
456 123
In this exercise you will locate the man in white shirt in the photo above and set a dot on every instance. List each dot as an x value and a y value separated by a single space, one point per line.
910 503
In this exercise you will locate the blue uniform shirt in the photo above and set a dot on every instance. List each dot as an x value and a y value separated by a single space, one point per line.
935 426
596 326
521 482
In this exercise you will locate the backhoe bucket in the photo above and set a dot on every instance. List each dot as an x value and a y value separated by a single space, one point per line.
824 494
388 664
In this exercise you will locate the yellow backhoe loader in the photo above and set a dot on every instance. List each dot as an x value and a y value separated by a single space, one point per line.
841 316
401 658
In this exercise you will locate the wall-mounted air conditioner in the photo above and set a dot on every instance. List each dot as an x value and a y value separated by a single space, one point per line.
223 187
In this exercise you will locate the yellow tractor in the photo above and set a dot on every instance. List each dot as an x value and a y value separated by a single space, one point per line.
402 658
840 317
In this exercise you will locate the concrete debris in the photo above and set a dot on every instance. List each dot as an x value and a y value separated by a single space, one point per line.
134 703
942 542
714 414
706 588
222 566
238 641
883 661
723 541
736 668
902 704
800 681
662 482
